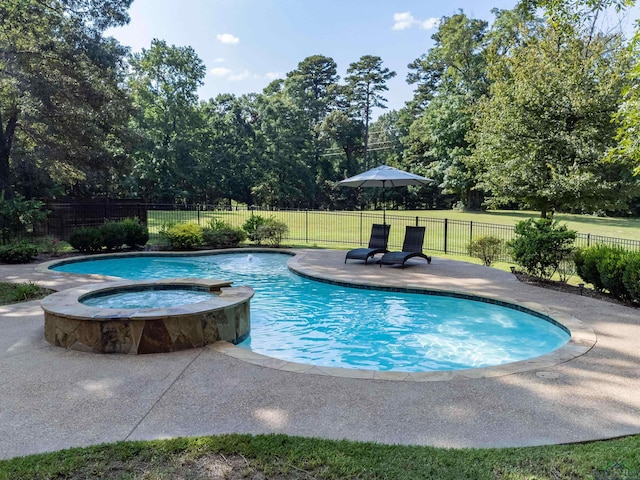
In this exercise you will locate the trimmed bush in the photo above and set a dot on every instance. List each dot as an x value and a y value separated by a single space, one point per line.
251 226
20 252
86 239
631 276
271 232
541 245
221 234
114 235
183 236
488 249
586 260
611 267
136 234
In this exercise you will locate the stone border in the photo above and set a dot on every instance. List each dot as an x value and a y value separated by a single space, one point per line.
68 323
582 339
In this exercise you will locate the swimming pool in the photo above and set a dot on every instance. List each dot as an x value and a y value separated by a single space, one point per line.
306 321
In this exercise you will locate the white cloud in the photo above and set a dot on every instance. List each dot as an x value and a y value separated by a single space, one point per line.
238 77
274 75
430 23
218 60
227 38
220 72
404 20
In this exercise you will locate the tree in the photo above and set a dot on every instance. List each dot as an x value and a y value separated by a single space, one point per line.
542 134
164 81
449 81
62 110
366 80
313 87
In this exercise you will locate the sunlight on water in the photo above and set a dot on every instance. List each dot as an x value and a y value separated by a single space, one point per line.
301 320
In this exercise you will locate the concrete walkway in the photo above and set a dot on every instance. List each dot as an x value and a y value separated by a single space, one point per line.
52 399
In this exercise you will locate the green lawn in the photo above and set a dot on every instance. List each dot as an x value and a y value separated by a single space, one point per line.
349 229
282 457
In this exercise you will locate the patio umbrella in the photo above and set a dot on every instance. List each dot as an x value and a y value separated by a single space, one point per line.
384 176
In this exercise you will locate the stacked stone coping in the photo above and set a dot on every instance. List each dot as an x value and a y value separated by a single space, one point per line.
74 325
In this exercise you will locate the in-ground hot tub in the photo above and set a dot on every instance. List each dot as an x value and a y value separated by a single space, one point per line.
216 312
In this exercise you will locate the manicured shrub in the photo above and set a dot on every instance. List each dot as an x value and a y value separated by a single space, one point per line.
586 260
86 239
251 226
631 276
271 232
488 249
20 252
136 234
221 234
183 236
541 245
113 235
611 266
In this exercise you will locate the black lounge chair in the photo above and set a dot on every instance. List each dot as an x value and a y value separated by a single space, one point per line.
377 244
411 247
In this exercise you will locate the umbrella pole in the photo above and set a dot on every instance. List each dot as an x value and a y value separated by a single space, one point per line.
384 207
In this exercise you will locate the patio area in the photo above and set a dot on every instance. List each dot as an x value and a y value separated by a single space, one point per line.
54 399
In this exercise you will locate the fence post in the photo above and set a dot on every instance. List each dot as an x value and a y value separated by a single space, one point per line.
446 228
306 221
588 239
360 227
470 231
198 210
417 222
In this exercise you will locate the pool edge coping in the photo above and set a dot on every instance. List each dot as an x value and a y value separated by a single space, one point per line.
582 337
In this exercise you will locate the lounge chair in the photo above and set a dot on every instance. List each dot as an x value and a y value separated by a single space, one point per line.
377 244
411 247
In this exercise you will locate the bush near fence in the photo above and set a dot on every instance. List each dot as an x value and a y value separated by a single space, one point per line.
327 228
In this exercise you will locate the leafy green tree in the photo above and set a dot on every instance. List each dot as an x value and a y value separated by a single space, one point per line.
449 81
227 169
284 143
164 81
366 80
62 111
542 134
313 87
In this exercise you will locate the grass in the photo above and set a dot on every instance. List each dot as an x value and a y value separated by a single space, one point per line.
21 292
283 457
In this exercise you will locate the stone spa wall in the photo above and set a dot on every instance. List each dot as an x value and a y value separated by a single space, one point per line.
68 323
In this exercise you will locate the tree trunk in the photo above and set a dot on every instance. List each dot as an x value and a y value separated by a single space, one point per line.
6 139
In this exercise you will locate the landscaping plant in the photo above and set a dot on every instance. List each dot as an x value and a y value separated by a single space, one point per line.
541 245
135 233
20 252
488 249
271 232
86 239
220 234
183 236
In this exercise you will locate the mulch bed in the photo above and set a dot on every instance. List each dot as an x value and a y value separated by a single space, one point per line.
566 288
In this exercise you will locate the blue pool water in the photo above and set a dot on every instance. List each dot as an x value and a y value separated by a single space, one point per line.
148 298
305 321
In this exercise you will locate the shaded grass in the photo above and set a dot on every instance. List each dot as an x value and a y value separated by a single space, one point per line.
21 292
284 457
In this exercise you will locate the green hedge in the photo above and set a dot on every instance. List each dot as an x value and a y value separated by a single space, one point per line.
612 269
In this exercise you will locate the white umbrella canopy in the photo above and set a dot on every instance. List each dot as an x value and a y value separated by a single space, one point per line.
384 176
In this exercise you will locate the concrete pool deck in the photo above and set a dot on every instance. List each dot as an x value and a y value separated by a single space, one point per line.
53 398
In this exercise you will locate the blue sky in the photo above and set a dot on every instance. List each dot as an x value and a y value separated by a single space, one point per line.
247 43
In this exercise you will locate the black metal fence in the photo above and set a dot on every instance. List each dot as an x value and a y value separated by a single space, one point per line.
308 227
